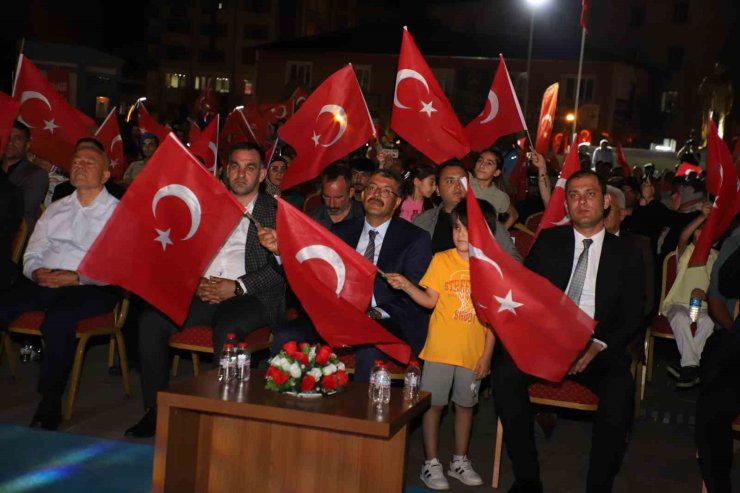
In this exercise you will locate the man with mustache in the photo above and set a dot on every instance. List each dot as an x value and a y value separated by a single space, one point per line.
336 192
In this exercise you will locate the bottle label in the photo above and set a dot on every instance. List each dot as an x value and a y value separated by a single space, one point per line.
241 360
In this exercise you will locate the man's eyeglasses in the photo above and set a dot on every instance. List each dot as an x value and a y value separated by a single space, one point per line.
385 192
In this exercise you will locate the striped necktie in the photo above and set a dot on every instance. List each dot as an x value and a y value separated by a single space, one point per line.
579 275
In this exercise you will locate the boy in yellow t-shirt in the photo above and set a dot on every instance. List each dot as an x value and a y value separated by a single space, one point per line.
457 352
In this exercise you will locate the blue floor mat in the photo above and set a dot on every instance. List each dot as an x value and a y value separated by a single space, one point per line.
35 461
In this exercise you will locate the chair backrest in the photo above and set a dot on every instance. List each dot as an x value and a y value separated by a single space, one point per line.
19 242
533 221
312 201
523 240
669 275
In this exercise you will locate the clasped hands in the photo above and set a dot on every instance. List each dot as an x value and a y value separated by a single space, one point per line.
55 278
214 290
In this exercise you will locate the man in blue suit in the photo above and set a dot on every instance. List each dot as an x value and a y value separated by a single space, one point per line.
394 245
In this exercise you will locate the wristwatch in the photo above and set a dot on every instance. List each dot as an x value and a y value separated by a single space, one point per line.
238 288
374 314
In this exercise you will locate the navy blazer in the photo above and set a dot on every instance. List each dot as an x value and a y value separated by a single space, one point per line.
619 281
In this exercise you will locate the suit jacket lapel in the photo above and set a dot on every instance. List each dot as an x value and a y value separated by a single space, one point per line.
564 255
606 275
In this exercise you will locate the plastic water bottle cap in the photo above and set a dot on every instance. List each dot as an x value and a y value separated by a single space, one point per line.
242 345
414 362
228 346
378 362
231 335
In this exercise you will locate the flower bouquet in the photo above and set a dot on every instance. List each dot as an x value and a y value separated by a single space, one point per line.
306 370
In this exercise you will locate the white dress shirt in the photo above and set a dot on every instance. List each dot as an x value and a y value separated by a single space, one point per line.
587 302
362 246
229 261
65 232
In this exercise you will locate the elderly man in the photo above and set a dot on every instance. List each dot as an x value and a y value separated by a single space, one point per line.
336 192
241 290
603 154
438 221
62 237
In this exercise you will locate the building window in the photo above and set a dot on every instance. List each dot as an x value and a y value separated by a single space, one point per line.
680 11
175 81
363 73
257 32
212 56
675 57
587 89
446 79
257 6
669 102
200 82
248 87
223 84
101 106
299 73
177 53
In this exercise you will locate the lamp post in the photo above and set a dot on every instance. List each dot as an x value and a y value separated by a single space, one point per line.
533 5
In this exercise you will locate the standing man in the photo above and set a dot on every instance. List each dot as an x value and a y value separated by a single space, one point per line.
240 291
394 245
603 154
336 192
601 273
62 237
32 180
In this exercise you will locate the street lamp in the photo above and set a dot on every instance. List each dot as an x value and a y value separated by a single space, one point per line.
533 5
570 117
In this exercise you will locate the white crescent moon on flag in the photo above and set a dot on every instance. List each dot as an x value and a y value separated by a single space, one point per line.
407 74
299 101
340 116
547 118
188 197
213 149
328 255
283 114
27 95
117 138
493 99
565 220
477 253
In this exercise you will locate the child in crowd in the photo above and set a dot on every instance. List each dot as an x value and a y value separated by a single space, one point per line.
421 184
457 353
487 170
690 281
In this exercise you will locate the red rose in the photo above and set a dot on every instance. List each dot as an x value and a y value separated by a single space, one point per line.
302 357
329 382
271 372
341 378
279 377
323 355
308 383
290 347
303 345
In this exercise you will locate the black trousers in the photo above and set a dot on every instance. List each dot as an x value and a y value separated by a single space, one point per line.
608 376
717 406
64 307
240 315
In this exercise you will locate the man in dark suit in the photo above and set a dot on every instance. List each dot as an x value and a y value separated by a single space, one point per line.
242 290
394 245
603 275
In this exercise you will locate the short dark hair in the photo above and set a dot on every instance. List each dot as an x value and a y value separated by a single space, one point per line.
90 142
452 163
23 128
390 174
150 136
248 146
584 173
489 213
335 171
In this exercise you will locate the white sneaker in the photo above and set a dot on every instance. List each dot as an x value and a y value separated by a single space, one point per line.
462 470
433 475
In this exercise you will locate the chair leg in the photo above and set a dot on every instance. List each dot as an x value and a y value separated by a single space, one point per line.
175 365
638 389
498 448
196 363
124 362
7 345
649 363
76 372
112 351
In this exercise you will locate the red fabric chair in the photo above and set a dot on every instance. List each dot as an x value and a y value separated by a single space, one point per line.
523 239
533 221
659 326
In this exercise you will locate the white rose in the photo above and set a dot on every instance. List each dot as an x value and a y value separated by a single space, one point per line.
295 370
312 352
329 369
315 373
285 364
340 366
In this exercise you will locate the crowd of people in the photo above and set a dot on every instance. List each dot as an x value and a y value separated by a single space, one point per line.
410 219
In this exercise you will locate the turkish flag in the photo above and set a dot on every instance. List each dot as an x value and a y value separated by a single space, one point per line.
333 282
55 125
555 213
165 231
422 115
234 131
148 125
256 124
8 112
205 146
540 327
109 134
726 202
501 115
194 132
206 103
274 112
626 170
333 122
584 14
518 177
298 97
547 118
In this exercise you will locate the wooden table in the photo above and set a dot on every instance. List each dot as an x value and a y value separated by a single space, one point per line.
243 438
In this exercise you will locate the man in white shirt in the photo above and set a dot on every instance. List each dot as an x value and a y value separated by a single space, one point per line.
62 237
603 154
602 274
242 289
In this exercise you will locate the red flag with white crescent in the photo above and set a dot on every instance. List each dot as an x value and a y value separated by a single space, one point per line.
547 118
148 125
205 146
555 213
622 161
109 134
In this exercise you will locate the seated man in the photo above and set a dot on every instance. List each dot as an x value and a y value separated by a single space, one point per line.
11 214
241 291
62 237
66 188
149 144
394 245
336 192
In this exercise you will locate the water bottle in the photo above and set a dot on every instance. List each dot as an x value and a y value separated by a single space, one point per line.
243 362
382 389
694 308
227 364
411 381
371 386
25 352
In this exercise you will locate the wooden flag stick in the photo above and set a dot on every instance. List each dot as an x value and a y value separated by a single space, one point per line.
251 218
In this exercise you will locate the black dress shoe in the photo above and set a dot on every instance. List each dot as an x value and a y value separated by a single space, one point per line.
146 427
48 414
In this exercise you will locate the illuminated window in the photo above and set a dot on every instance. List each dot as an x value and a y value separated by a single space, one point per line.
223 85
200 82
299 73
247 87
176 81
101 106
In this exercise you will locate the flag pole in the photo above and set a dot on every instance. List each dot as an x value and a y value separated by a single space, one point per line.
578 84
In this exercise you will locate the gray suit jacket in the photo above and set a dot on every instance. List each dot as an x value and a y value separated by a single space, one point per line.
427 221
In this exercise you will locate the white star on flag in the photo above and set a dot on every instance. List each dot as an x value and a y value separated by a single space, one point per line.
163 238
427 108
50 125
113 163
315 139
507 303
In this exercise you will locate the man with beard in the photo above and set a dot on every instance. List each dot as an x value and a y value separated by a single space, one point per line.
336 192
